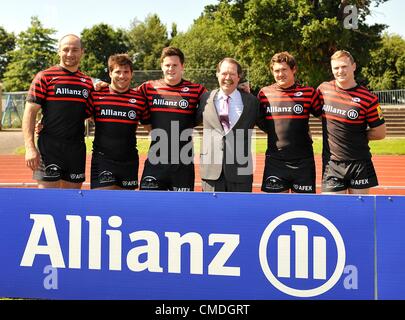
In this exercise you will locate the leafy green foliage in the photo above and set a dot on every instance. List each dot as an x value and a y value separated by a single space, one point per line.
310 30
204 54
7 44
35 52
251 31
147 39
99 43
386 69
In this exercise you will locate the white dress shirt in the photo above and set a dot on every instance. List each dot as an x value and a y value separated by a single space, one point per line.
235 105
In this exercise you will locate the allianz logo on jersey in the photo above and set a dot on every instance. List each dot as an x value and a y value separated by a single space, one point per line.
296 109
161 102
350 113
62 91
302 254
115 113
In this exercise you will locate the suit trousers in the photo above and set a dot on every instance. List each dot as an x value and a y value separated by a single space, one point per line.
222 185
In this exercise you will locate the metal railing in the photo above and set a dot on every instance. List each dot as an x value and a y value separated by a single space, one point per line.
13 105
391 97
13 109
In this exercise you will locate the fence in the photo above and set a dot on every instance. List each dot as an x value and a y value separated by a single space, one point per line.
391 97
13 102
13 109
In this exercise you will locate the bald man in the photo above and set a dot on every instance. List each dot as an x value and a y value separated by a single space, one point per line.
63 94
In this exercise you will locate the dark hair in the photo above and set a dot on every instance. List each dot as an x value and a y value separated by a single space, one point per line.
120 59
233 61
283 57
172 51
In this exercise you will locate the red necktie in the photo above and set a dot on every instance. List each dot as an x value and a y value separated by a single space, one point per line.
224 113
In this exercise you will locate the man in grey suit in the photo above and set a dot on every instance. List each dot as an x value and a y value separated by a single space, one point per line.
228 116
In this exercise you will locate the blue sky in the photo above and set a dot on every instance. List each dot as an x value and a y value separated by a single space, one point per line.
73 16
390 13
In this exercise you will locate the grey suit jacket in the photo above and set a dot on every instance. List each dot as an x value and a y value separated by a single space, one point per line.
229 152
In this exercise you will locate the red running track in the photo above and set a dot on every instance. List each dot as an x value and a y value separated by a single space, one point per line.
390 172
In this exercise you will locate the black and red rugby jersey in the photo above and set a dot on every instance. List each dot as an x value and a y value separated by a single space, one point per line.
346 114
173 108
65 98
286 115
117 116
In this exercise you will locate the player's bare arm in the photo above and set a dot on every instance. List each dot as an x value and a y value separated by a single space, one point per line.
377 133
32 156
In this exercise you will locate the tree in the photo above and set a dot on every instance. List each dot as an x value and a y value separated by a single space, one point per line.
101 41
35 52
174 31
310 30
400 65
147 39
386 69
7 44
207 53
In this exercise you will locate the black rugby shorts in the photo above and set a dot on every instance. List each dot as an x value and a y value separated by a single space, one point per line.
173 177
297 175
342 175
61 160
107 172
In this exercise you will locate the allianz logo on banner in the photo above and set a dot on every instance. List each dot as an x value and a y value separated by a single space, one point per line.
301 253
316 281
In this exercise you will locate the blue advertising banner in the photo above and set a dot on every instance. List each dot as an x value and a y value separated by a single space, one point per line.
391 247
69 244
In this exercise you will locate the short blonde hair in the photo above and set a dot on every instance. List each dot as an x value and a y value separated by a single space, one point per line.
342 53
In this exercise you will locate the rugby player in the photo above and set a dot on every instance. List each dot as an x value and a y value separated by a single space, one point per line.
117 112
351 117
63 94
286 107
172 102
